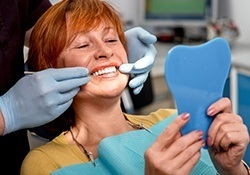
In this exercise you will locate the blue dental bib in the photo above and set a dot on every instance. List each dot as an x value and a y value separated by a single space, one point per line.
124 155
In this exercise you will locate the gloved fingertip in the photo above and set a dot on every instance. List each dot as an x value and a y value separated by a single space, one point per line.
152 39
138 90
146 61
83 71
139 66
132 84
85 80
126 68
147 37
86 71
138 80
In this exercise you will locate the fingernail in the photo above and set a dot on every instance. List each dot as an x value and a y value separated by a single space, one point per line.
185 116
210 111
203 143
209 141
200 133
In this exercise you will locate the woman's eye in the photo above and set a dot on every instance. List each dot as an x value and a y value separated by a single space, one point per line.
82 46
112 40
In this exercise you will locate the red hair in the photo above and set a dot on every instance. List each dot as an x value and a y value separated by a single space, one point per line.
54 30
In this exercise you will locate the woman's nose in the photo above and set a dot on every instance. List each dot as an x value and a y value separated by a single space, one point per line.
104 51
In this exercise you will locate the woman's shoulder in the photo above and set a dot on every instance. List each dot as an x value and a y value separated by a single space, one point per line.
40 160
162 113
51 156
51 147
153 117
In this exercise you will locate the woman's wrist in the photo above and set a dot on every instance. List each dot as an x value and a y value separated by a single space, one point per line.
241 169
246 166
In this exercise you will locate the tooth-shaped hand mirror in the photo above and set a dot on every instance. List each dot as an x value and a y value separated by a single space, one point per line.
196 76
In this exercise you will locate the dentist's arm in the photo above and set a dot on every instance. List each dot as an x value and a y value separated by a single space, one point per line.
40 98
141 56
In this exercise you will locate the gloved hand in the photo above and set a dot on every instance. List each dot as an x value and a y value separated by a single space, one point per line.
40 98
141 56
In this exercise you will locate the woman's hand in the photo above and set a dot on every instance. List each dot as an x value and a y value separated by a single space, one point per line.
227 138
172 153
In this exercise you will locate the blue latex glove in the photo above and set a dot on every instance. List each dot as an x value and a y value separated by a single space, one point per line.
40 98
141 56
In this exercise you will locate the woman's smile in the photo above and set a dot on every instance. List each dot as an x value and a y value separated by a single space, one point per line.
106 72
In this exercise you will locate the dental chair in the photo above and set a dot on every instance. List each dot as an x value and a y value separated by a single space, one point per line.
132 102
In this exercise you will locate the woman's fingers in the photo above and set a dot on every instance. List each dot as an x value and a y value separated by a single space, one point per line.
222 105
229 135
179 147
218 125
168 136
170 148
233 138
190 164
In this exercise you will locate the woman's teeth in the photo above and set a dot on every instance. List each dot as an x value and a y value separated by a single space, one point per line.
106 70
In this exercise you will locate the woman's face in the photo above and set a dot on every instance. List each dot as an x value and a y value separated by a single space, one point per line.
101 52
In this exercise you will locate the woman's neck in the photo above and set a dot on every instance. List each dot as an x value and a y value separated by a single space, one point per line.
95 122
103 124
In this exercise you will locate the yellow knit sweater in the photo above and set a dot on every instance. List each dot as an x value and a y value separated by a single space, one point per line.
59 153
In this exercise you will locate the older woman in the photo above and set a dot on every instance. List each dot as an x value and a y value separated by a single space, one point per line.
89 33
